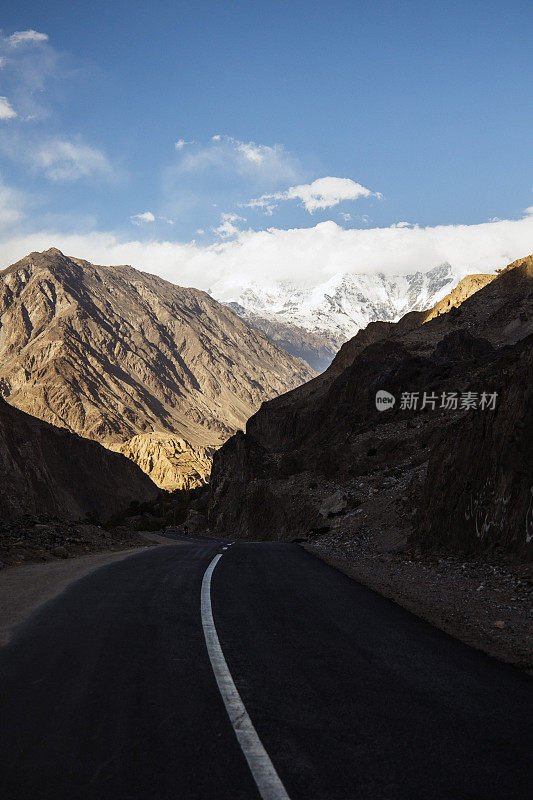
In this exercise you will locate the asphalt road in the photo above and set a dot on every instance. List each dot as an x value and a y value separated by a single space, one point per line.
108 691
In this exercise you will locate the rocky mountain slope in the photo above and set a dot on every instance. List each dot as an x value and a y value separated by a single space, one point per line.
482 473
161 373
322 460
48 470
312 322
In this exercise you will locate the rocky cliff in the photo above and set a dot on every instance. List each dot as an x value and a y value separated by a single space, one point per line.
479 486
162 373
327 439
48 470
169 460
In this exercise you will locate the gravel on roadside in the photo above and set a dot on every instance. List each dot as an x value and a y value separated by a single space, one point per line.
483 601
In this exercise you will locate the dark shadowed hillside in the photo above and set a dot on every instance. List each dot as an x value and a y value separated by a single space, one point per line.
322 460
48 470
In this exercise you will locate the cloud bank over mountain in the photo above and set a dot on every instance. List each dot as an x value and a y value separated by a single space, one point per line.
306 255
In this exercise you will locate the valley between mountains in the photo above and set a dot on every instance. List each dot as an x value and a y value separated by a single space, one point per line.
133 405
200 537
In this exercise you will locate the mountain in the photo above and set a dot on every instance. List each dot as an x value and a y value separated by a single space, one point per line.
48 470
312 322
159 372
324 461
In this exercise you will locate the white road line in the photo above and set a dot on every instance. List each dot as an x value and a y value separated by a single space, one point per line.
263 771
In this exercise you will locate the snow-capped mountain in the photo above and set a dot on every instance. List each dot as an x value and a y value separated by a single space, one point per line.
313 321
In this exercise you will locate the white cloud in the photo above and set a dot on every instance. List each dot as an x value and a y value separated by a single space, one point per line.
256 153
320 194
305 255
181 143
11 206
227 226
271 163
6 110
29 63
26 37
63 160
327 192
146 216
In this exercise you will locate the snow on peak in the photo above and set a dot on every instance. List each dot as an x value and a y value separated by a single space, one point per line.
341 305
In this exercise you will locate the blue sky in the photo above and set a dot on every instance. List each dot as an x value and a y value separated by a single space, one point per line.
415 112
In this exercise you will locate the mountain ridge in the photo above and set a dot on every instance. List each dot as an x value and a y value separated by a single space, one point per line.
325 447
312 322
113 353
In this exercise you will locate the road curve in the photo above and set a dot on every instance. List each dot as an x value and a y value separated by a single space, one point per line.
108 690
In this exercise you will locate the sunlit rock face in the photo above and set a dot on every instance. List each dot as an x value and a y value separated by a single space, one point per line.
170 460
114 354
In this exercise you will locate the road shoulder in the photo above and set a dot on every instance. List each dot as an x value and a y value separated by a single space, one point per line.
485 605
26 586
